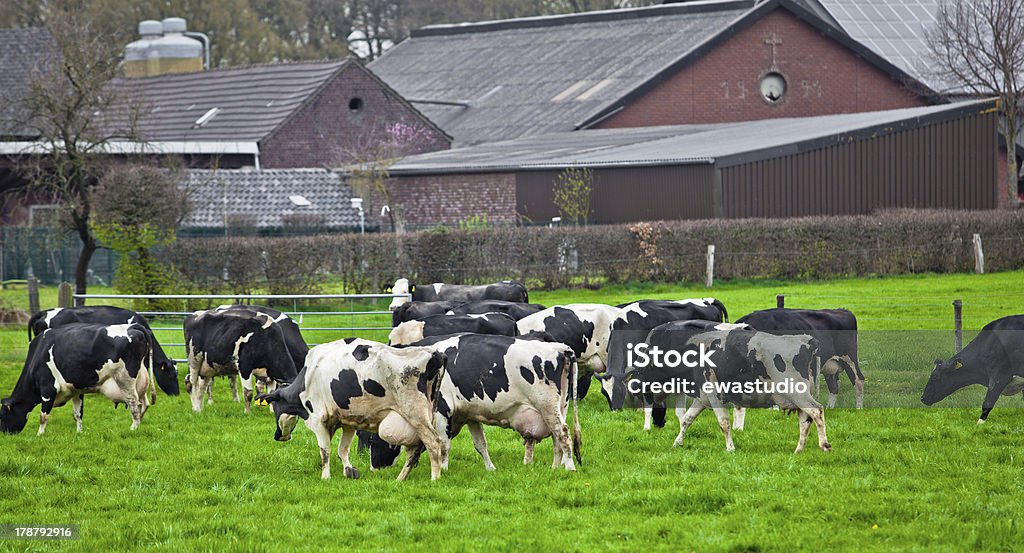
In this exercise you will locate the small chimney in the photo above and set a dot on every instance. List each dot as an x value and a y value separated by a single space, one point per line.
163 48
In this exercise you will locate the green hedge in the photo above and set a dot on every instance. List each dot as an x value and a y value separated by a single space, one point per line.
891 242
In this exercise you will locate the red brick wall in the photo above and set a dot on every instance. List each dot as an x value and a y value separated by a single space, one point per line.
327 133
449 199
823 78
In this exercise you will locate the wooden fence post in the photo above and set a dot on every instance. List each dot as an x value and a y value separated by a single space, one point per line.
780 301
709 280
958 324
979 256
33 295
64 295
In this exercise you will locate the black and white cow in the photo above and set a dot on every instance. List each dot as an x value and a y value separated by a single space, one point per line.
68 361
584 327
749 368
443 325
674 336
223 342
164 370
836 333
358 384
508 290
635 321
994 359
418 310
507 382
512 309
297 347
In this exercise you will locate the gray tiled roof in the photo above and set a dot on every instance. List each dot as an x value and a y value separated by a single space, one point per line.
675 145
262 199
23 53
253 100
895 30
546 74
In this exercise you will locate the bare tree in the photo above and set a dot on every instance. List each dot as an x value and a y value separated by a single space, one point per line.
74 115
979 45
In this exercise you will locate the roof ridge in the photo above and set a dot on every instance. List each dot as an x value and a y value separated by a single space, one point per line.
241 68
701 6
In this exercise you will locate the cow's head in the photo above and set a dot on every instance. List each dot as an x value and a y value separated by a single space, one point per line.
613 386
946 378
12 416
406 333
166 375
382 454
402 286
287 412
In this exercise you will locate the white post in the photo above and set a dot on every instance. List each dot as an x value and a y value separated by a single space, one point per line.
709 280
979 256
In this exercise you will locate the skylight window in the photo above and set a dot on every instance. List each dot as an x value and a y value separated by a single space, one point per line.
300 201
573 89
594 90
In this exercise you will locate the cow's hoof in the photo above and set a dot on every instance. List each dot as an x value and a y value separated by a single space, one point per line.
826 446
351 472
981 421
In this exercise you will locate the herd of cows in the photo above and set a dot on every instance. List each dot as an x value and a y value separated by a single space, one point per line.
469 356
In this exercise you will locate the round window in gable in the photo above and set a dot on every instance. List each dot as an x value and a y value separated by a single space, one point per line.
773 87
355 104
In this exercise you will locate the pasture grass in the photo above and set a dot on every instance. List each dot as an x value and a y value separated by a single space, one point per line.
897 478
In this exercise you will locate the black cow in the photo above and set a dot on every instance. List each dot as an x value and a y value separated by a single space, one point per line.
443 325
508 290
635 321
165 372
836 333
223 342
994 359
513 309
502 381
584 327
66 362
418 310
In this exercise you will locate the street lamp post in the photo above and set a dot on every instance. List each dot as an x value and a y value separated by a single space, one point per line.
357 204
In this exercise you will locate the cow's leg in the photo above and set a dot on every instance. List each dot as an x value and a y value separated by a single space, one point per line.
739 414
805 428
686 420
137 409
562 443
680 407
648 415
44 413
476 430
209 392
430 440
412 458
234 387
196 395
832 382
246 393
346 440
77 403
529 443
323 440
995 389
722 413
818 416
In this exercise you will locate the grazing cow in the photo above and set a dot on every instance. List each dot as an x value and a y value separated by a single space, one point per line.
507 382
994 359
508 290
513 309
584 327
223 342
749 368
358 384
164 371
66 362
297 347
635 321
836 333
443 325
418 310
674 336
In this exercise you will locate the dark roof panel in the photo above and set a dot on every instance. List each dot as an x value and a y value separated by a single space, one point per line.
24 53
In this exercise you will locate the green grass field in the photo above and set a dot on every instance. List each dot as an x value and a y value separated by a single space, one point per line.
897 478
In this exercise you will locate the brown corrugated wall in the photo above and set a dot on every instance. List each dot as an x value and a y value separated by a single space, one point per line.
626 194
946 165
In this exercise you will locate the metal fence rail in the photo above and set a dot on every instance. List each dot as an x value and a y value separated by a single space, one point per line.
300 317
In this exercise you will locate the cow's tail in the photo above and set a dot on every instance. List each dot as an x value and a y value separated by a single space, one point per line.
32 323
577 435
725 314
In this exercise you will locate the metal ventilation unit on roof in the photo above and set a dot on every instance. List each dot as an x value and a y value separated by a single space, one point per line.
205 118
